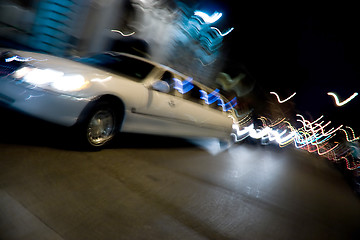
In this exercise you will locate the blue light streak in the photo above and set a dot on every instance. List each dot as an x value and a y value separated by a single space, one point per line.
183 86
211 97
227 106
215 96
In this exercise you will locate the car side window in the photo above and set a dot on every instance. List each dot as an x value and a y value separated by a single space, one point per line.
120 64
168 78
193 95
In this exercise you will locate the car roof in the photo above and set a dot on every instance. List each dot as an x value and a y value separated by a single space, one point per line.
148 61
202 86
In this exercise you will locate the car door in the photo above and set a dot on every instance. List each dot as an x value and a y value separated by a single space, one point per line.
158 113
197 118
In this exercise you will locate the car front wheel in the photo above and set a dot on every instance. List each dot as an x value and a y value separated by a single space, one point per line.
100 126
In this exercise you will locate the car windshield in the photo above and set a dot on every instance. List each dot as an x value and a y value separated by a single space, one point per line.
119 64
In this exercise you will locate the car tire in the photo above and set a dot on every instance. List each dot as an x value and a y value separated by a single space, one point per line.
100 126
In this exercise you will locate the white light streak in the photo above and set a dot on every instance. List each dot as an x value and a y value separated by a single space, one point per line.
220 33
101 80
311 136
282 101
22 59
123 34
336 98
208 19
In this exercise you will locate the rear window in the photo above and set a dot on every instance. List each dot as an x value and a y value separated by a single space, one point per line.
119 64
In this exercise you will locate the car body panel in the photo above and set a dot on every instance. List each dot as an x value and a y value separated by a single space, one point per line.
58 108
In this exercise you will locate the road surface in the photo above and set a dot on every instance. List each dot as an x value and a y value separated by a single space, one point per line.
145 187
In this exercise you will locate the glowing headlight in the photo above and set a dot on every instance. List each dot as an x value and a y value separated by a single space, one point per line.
70 83
48 78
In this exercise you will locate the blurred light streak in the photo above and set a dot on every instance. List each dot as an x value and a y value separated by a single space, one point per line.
307 123
21 59
264 121
244 118
183 86
222 34
319 148
227 106
332 130
214 96
101 80
311 136
323 140
278 122
266 132
352 133
343 150
211 97
336 98
241 134
282 101
349 165
208 19
123 34
33 96
204 63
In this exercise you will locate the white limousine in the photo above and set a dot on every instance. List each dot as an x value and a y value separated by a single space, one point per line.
110 92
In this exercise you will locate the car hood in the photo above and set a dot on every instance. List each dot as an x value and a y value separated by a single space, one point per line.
94 75
65 65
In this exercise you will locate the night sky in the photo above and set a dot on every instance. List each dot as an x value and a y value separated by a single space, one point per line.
304 48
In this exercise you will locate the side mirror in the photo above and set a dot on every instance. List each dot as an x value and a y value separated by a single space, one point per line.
161 86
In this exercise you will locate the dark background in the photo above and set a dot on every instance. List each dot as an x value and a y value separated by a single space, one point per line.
297 47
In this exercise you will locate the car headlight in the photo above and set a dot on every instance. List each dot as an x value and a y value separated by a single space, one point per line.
51 79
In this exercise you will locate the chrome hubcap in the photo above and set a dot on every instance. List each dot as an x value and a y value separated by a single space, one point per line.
101 127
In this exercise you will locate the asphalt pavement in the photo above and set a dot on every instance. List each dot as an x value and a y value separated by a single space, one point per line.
147 187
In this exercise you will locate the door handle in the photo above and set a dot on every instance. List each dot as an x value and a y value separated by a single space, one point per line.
171 103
